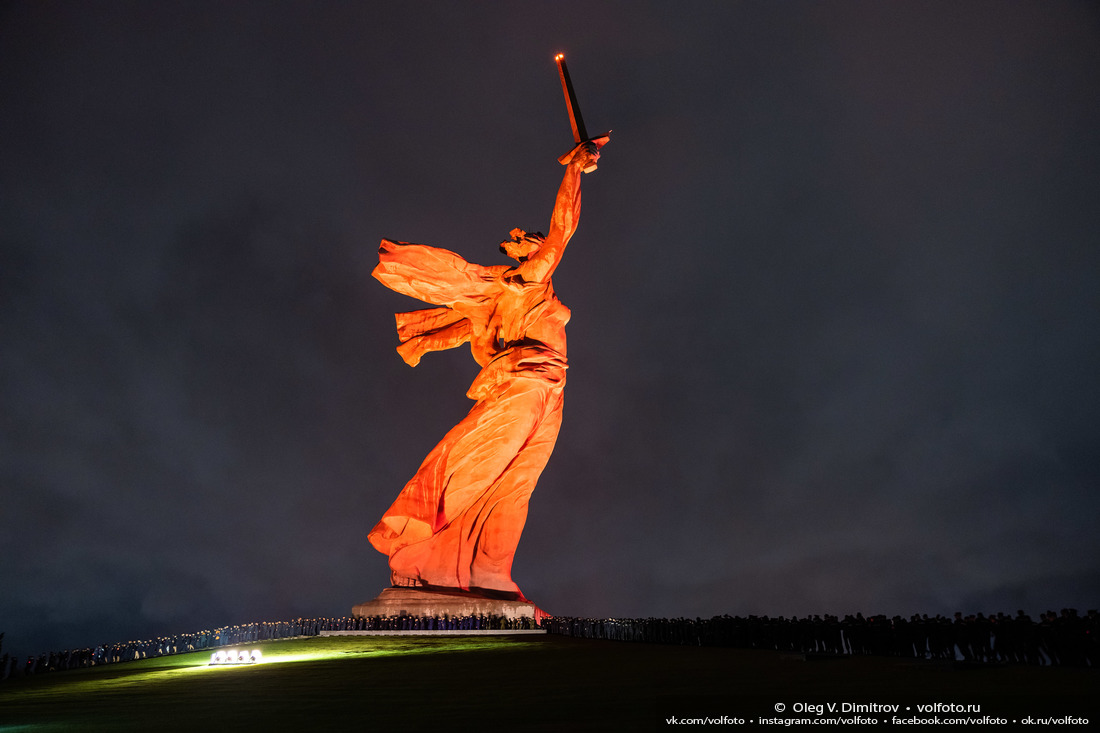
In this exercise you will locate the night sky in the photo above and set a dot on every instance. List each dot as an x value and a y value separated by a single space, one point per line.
835 343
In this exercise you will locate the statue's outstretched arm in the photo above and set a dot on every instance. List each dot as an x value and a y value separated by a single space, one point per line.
563 222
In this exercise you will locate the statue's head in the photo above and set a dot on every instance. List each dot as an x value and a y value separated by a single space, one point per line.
522 244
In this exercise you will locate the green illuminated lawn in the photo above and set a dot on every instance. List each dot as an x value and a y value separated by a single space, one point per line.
542 683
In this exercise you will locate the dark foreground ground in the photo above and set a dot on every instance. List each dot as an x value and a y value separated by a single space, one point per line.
532 683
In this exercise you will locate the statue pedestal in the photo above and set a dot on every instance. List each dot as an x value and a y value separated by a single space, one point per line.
418 602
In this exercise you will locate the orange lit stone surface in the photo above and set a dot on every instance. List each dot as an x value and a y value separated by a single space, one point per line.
419 602
456 524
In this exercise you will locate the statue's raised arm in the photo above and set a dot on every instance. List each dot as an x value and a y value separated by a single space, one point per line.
563 221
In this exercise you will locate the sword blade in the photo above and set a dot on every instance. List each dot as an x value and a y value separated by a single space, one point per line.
575 119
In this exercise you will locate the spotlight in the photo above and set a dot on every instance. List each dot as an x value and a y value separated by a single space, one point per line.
235 657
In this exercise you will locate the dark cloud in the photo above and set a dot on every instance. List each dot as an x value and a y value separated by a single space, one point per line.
834 336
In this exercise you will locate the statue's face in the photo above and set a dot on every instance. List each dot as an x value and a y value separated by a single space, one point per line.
522 245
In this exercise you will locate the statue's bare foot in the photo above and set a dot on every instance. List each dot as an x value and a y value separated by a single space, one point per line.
402 581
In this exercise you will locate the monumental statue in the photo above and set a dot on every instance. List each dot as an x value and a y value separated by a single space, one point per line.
455 526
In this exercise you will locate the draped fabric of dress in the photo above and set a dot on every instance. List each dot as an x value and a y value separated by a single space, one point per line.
457 522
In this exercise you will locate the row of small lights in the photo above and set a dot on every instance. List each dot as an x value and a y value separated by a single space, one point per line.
233 656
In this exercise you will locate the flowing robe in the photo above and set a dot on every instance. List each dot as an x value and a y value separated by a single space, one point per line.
456 524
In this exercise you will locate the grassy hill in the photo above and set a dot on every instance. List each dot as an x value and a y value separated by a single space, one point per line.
486 683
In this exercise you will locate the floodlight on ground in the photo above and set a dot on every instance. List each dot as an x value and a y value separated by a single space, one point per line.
235 657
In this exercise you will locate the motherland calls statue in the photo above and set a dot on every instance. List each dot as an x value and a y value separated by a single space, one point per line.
456 524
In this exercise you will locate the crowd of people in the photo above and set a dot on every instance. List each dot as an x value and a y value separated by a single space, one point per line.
435 623
245 633
126 651
1062 638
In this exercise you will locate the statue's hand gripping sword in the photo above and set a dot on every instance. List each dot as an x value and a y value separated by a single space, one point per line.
580 135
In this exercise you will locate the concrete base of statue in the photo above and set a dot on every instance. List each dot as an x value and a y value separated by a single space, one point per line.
439 603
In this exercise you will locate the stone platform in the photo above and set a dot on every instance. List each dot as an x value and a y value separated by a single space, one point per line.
419 602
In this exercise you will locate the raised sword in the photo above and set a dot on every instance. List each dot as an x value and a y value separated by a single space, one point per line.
580 135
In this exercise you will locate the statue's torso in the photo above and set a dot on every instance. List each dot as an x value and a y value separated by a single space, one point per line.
523 314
